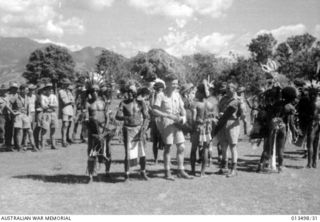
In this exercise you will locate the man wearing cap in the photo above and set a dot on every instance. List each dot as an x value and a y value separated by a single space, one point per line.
228 128
49 120
66 101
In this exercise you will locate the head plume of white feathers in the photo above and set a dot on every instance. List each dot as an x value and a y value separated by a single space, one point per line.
312 84
95 80
270 68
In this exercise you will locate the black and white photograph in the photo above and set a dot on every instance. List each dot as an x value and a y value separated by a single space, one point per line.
159 107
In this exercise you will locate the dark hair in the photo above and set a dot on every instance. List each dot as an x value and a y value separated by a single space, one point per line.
143 91
170 77
23 86
158 85
201 89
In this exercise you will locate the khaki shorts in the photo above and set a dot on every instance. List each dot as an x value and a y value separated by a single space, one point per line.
170 134
66 117
22 121
229 134
32 117
49 120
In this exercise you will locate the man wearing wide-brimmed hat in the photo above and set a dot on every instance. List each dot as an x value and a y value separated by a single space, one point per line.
66 101
12 95
22 123
49 120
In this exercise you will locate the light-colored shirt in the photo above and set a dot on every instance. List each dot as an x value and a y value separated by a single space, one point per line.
53 100
171 105
49 103
32 103
66 97
44 100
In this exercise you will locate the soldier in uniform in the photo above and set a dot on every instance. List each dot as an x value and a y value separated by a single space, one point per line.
170 108
66 101
228 128
49 119
38 116
22 121
31 112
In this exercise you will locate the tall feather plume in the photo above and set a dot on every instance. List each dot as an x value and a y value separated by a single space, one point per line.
270 68
94 79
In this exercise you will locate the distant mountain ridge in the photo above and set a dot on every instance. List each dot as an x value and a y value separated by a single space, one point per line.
15 52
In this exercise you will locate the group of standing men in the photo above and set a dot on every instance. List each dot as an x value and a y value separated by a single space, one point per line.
29 112
209 116
171 115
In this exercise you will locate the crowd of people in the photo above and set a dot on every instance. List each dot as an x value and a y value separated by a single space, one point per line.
169 112
212 119
29 113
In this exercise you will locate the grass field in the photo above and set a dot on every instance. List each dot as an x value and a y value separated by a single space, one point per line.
54 182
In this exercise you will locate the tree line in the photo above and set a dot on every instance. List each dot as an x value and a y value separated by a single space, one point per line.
296 57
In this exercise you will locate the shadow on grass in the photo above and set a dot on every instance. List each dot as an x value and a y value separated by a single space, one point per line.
115 177
69 178
249 166
250 155
148 161
294 167
289 157
58 178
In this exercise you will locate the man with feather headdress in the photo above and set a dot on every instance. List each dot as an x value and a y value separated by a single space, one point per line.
280 110
99 134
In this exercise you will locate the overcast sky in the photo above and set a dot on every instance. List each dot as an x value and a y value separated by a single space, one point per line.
179 26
